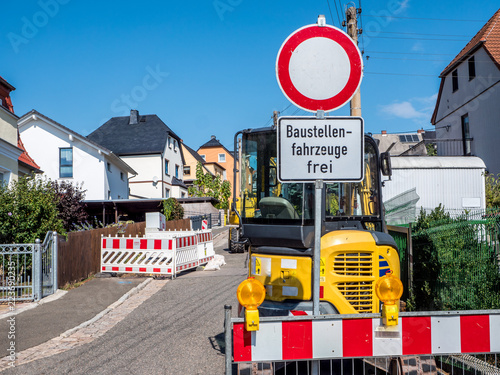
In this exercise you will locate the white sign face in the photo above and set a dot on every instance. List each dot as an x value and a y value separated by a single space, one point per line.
328 149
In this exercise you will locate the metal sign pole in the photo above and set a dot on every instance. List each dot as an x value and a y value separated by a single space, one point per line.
318 185
318 192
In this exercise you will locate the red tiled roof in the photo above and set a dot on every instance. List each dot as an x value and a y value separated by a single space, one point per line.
488 37
25 158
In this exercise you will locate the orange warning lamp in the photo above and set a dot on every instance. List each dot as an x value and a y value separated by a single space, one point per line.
389 289
251 294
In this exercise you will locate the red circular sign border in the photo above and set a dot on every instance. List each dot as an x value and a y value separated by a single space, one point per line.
285 55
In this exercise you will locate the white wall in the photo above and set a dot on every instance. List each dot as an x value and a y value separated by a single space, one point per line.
479 98
147 167
44 140
173 155
150 167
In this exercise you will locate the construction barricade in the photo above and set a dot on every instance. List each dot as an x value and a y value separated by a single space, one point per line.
160 253
425 342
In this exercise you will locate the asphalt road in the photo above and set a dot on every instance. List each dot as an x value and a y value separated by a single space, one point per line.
179 330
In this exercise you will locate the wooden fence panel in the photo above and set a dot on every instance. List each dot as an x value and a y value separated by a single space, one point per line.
79 255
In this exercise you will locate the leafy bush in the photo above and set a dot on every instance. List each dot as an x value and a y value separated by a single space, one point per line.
70 204
455 263
172 209
492 186
28 210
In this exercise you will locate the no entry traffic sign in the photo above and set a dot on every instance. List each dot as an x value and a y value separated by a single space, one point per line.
319 68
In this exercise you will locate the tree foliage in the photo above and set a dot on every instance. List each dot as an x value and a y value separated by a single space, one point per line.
172 209
207 186
492 186
28 210
70 204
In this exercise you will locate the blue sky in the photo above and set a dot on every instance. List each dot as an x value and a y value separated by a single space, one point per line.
208 67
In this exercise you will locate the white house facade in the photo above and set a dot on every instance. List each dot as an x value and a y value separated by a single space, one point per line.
467 112
9 152
151 148
66 155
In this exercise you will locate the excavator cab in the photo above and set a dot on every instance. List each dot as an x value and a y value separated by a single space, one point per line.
277 222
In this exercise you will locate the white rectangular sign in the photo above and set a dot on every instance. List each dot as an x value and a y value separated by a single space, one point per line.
328 149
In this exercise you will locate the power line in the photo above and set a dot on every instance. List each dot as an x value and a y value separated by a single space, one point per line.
426 19
283 110
421 75
330 9
402 74
411 33
368 57
436 39
413 53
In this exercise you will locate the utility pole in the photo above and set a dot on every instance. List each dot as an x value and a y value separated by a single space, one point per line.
275 118
352 31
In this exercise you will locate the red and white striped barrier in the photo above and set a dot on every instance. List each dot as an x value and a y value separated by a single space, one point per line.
167 253
290 340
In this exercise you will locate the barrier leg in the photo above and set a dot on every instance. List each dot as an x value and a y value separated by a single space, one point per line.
228 339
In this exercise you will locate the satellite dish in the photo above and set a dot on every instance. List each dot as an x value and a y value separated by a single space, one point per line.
155 180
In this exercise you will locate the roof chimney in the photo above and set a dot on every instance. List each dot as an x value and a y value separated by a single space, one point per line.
134 117
212 137
420 131
384 132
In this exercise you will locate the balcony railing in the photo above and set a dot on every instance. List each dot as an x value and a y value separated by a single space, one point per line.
454 147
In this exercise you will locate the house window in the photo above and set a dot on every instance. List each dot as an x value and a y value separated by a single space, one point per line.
203 157
2 179
109 195
176 171
183 195
466 134
454 80
187 170
472 69
167 193
122 176
108 165
66 162
169 142
166 166
222 158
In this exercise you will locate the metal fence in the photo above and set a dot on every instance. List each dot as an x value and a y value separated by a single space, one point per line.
465 342
29 271
214 220
472 364
456 264
402 236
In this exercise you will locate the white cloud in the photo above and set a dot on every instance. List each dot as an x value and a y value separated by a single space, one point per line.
418 47
403 110
403 5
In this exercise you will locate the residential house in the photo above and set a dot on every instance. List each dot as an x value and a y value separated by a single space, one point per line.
408 144
66 155
214 152
14 159
191 160
467 111
9 152
151 148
